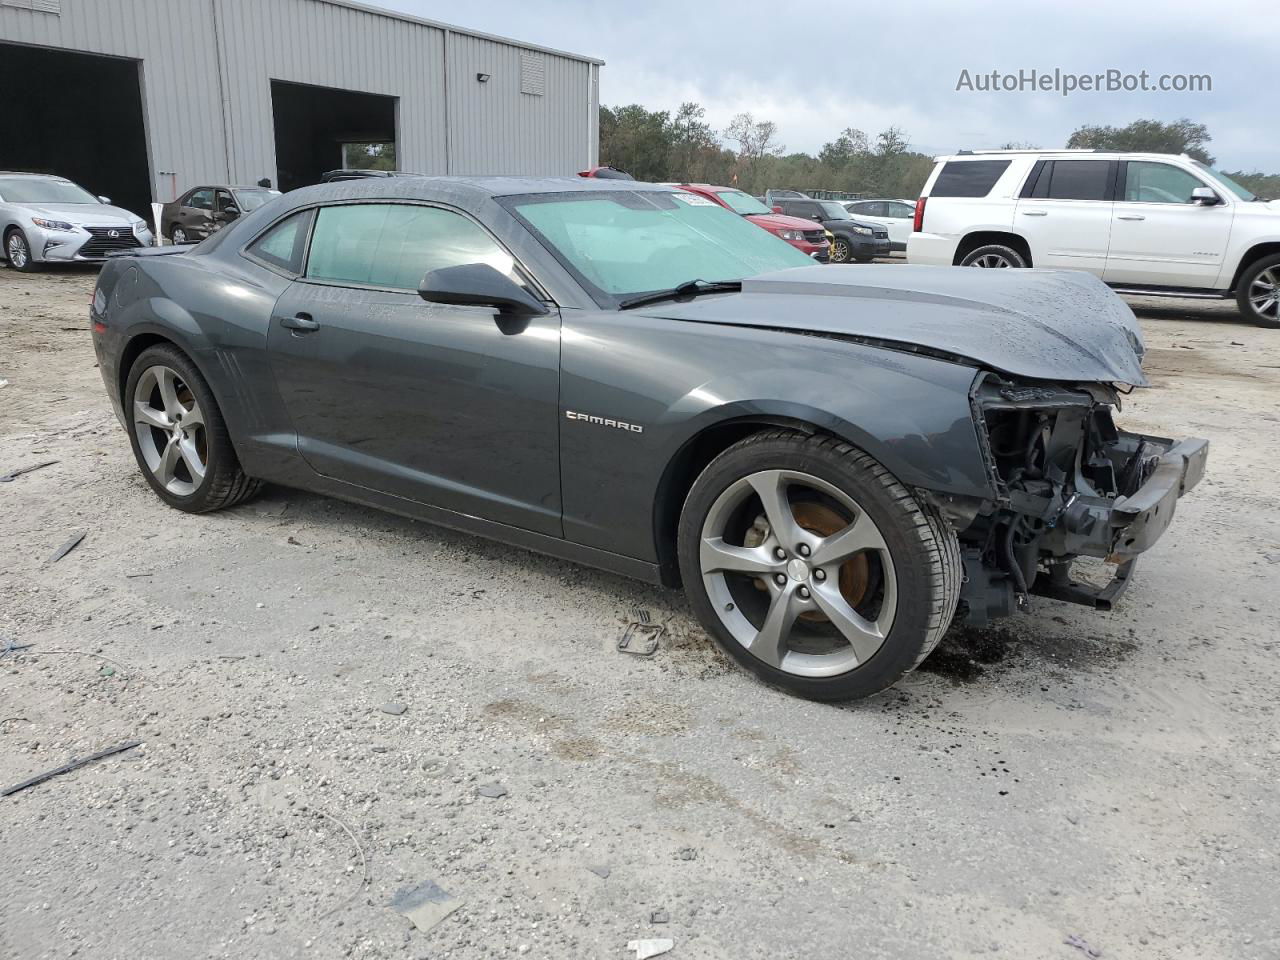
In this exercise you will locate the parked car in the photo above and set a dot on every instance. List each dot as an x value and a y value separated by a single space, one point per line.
895 216
774 197
605 173
1146 223
851 239
801 234
47 219
831 462
202 211
334 176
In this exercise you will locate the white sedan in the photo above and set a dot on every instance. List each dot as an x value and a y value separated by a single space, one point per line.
896 216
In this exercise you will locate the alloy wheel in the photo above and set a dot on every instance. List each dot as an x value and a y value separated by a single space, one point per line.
170 428
179 236
17 251
1264 294
990 261
840 251
798 573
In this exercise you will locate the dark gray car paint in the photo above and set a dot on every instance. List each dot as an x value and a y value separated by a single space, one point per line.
438 413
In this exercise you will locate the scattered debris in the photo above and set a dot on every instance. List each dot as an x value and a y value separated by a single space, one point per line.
12 719
393 708
68 767
600 870
1080 943
10 646
67 547
364 862
294 542
15 474
107 672
659 916
426 905
491 790
688 853
650 948
641 635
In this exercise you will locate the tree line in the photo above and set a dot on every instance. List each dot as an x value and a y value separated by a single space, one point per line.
662 146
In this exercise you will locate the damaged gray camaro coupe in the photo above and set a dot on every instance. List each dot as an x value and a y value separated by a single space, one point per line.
834 462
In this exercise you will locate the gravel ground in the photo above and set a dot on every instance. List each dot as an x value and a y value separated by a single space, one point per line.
1069 774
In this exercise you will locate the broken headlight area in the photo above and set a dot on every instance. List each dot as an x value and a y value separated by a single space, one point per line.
1068 484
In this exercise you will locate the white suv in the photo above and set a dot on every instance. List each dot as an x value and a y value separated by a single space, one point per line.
1146 223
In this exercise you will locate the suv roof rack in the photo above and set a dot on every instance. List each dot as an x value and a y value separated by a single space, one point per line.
965 153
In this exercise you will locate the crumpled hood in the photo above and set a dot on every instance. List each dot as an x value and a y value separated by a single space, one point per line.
1044 324
88 214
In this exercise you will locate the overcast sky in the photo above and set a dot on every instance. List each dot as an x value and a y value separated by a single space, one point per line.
815 69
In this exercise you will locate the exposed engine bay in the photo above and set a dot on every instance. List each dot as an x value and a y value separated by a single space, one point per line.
1069 484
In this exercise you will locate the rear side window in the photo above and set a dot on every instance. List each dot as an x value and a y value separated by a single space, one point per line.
395 245
968 178
1074 180
283 245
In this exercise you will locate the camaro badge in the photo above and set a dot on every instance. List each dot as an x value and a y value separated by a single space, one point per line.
604 421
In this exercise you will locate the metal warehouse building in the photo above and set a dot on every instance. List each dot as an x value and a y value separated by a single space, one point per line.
139 100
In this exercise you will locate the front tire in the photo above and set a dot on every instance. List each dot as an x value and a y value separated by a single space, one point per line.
994 255
814 568
841 252
18 250
179 437
179 237
1258 294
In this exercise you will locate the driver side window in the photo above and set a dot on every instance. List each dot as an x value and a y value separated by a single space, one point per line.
1149 182
395 245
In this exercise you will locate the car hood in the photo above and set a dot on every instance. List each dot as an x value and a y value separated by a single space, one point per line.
1043 324
91 214
779 221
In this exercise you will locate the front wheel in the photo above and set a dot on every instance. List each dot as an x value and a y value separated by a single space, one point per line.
814 568
18 250
179 237
840 251
993 255
179 437
1258 295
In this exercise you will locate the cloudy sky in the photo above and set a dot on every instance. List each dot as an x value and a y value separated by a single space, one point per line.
815 69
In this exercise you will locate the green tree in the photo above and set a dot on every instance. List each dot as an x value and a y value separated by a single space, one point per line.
636 140
1147 136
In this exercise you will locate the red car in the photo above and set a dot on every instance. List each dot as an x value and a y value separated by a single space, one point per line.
804 235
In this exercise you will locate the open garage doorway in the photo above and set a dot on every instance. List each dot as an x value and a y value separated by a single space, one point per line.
79 116
315 125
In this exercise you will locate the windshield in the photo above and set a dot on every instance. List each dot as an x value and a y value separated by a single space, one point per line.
740 202
32 190
254 198
630 242
1227 182
833 211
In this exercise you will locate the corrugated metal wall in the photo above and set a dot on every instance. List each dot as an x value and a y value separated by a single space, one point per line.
448 121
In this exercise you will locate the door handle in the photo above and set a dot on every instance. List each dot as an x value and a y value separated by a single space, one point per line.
1035 213
301 323
1130 216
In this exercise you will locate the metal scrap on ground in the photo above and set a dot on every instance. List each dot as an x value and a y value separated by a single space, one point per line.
15 474
68 767
650 948
67 547
425 905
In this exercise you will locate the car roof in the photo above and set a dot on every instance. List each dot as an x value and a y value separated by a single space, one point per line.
475 187
34 176
1075 154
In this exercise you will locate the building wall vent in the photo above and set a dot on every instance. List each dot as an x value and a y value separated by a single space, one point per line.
533 74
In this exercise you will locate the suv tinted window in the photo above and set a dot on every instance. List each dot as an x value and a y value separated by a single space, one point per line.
1075 180
1147 182
282 246
968 178
394 245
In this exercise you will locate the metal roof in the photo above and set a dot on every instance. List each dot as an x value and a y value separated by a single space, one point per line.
453 28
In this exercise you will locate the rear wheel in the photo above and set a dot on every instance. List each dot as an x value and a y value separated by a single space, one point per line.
993 256
18 250
814 568
179 437
1258 294
179 236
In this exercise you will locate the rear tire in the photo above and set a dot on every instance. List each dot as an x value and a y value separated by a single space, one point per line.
1258 293
179 437
995 255
18 250
179 237
775 587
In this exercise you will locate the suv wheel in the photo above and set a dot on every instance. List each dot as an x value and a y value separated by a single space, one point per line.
840 252
1258 293
814 568
993 255
179 437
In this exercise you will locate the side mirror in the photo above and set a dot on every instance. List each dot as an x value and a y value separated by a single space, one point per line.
777 208
1205 197
106 200
479 285
231 212
817 217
